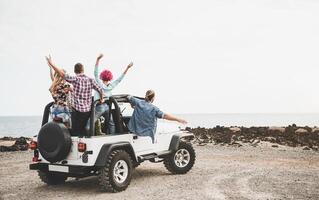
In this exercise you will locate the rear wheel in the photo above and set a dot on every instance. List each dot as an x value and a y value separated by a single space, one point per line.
116 175
52 178
182 160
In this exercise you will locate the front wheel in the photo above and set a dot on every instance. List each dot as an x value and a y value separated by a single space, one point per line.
182 160
116 175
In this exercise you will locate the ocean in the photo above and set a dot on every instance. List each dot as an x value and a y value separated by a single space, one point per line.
29 126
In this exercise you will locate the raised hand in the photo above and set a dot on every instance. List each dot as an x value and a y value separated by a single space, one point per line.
99 57
49 59
130 65
98 60
182 121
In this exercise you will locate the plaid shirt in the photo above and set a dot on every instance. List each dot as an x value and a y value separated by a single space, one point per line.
82 91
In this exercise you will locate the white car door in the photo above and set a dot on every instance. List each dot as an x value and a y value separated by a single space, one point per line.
142 144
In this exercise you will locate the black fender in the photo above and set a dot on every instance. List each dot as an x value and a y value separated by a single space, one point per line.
173 146
108 148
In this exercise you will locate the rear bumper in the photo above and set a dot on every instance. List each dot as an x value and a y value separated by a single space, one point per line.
73 171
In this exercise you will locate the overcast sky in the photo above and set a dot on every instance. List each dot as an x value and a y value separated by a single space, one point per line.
210 56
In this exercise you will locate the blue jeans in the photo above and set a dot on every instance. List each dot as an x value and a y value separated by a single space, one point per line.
99 111
60 112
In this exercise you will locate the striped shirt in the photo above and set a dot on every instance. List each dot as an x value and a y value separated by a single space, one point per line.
82 91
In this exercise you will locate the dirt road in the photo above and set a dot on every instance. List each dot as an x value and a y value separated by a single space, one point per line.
220 172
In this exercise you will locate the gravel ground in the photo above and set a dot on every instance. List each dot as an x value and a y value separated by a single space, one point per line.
220 172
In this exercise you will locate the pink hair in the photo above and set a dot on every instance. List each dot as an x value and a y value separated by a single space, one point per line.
106 75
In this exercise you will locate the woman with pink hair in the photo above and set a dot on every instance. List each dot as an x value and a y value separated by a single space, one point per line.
105 81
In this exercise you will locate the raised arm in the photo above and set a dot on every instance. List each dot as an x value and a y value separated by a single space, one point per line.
98 60
54 67
128 67
173 118
51 73
96 70
119 79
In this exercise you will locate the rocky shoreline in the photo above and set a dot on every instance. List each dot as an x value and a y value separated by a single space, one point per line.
292 135
14 144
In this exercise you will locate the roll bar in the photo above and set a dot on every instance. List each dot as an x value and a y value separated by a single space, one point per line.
113 99
46 112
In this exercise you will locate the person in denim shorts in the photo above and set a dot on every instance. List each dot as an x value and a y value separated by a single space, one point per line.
60 91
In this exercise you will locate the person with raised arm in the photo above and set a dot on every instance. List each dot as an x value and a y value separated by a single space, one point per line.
81 95
60 91
144 119
104 79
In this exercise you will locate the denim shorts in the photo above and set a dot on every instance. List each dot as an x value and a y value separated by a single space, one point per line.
62 112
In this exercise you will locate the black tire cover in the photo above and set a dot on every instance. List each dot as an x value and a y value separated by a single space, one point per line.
54 141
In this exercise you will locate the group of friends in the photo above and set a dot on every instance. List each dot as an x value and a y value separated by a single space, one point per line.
72 95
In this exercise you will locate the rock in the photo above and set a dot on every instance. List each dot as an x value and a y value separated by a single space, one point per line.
240 138
315 130
274 145
21 141
8 138
277 129
245 140
301 130
204 136
315 148
237 144
234 129
21 144
292 135
270 139
11 148
233 139
306 148
255 142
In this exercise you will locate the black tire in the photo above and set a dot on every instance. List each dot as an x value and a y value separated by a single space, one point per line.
171 165
52 178
106 178
54 141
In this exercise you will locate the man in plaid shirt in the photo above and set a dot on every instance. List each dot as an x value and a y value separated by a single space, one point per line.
81 96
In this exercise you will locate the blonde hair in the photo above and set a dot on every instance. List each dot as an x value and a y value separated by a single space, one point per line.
57 79
149 96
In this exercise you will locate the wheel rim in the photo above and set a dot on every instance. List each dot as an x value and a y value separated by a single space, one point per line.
120 171
182 158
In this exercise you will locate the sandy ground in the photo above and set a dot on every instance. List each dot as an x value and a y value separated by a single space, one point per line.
219 173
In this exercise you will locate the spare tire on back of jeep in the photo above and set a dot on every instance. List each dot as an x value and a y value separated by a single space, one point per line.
54 141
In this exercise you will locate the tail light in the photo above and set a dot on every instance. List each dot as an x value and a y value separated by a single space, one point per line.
35 159
81 147
35 156
33 145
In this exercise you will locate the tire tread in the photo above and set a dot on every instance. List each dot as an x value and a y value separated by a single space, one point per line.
170 164
104 177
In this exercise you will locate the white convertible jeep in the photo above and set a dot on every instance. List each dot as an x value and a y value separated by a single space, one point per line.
58 154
